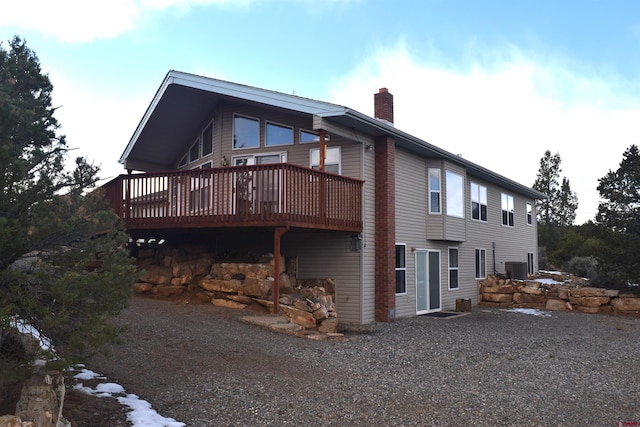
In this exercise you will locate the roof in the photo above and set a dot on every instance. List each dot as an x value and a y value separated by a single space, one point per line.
184 101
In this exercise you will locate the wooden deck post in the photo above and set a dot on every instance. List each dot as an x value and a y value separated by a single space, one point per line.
277 234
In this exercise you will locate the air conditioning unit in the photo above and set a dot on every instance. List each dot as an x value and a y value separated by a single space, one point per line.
516 270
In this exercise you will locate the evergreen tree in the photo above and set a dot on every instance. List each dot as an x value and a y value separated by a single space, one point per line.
619 212
79 272
547 183
567 204
559 209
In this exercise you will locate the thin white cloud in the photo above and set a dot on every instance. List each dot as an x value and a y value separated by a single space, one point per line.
85 21
503 111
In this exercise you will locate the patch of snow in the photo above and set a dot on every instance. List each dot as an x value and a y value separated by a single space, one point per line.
140 413
26 329
531 311
549 281
552 272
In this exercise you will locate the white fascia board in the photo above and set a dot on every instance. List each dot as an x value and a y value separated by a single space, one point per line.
250 93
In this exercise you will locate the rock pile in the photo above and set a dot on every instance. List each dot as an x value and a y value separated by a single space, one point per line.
307 303
40 404
500 292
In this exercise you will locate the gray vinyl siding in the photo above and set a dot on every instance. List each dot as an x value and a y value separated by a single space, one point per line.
512 243
368 235
411 227
417 229
297 153
328 255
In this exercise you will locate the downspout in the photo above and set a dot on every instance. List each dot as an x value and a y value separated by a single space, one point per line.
493 244
364 235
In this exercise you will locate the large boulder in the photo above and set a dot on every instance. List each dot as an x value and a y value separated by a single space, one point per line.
158 275
217 285
626 304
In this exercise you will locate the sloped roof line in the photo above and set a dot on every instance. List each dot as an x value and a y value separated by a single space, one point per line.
310 106
236 90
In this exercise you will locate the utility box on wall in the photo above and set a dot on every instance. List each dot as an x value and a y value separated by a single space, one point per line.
516 270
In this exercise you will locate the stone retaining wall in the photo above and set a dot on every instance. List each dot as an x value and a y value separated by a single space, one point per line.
500 292
171 272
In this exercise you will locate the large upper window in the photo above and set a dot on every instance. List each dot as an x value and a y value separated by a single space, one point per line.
332 161
200 150
401 269
207 140
453 269
478 202
279 135
455 194
481 263
434 191
308 136
507 210
246 132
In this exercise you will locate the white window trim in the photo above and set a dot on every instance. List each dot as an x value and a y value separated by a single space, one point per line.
439 212
475 265
447 174
233 131
202 159
252 157
406 285
480 204
338 148
266 139
449 268
529 213
513 211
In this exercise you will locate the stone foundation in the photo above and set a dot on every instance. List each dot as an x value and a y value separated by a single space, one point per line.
499 292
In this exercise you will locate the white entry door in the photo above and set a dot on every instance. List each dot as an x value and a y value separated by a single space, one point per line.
428 297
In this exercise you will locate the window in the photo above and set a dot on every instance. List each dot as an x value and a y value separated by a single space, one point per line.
453 269
194 151
401 269
530 263
279 135
455 194
434 191
200 150
478 202
246 132
332 162
529 213
307 136
507 210
481 263
207 140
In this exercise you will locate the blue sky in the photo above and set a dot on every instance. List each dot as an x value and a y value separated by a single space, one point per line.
498 82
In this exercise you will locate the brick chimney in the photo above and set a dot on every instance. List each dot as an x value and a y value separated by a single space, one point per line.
383 105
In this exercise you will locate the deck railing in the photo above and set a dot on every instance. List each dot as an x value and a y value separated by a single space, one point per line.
238 196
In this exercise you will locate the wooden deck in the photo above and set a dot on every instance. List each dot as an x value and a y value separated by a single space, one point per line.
273 195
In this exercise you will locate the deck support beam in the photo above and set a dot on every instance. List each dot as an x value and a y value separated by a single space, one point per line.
278 232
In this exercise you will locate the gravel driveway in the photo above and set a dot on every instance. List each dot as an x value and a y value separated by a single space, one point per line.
201 365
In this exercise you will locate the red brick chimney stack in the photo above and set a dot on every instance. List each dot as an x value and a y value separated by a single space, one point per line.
383 105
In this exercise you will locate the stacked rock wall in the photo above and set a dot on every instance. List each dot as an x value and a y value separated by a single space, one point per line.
500 292
171 272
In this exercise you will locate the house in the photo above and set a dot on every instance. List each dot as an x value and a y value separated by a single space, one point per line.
402 226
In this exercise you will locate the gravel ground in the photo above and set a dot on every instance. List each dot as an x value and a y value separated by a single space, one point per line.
201 365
